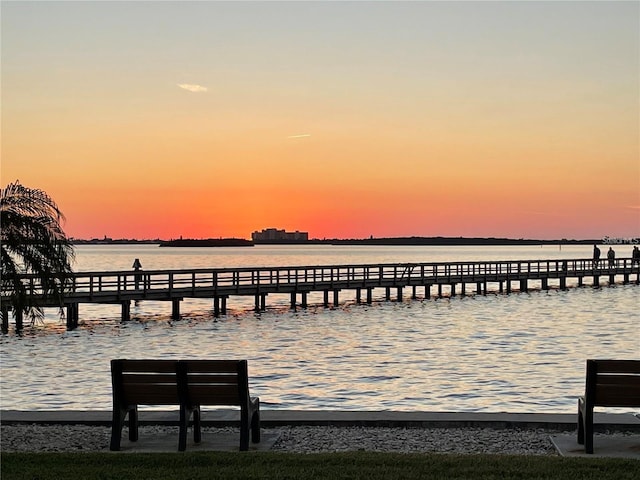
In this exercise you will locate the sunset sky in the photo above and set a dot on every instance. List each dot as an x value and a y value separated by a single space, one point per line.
343 119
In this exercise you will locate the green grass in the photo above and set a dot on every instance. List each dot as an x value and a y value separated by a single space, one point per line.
352 465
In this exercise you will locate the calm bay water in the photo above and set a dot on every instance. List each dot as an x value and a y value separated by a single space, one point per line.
522 352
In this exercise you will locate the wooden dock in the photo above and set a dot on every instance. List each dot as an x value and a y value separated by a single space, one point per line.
219 284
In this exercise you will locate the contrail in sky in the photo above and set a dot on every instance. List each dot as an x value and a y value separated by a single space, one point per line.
300 136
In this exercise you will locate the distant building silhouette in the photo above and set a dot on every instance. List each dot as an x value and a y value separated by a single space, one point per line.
273 235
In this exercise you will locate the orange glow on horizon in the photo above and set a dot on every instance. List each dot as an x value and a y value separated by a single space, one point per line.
504 119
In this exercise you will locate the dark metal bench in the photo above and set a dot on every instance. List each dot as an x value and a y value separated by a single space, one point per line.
187 383
609 383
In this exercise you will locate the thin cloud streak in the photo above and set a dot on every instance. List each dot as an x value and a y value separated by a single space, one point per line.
303 135
192 88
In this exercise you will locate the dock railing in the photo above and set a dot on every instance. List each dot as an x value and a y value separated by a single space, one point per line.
115 285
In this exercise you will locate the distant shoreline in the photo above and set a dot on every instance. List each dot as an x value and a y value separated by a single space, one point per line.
386 241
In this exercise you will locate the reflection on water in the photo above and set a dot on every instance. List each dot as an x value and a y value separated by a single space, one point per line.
523 352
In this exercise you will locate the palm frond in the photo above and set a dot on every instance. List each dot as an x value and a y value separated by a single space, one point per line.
32 241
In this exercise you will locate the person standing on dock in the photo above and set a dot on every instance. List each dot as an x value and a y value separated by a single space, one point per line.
137 266
596 255
635 256
611 255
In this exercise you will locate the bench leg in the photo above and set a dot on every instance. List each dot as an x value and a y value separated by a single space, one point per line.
585 425
255 423
588 430
184 421
133 424
197 433
117 422
580 427
244 429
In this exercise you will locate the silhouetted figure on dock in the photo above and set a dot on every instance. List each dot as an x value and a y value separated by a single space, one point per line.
137 266
611 255
596 255
635 256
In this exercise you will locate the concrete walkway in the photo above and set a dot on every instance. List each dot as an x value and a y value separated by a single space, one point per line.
274 418
625 446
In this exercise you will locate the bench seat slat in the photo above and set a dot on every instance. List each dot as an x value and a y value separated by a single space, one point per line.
151 399
212 379
618 366
213 366
617 395
159 378
205 393
137 392
214 400
149 366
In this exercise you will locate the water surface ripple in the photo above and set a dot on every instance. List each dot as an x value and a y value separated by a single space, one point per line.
522 352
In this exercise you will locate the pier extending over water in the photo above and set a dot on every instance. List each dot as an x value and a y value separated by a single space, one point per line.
219 284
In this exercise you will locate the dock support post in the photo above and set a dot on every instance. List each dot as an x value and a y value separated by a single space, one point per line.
387 293
612 279
335 298
175 309
545 284
216 307
126 311
563 283
463 289
18 318
224 305
72 316
413 292
580 282
293 301
596 280
369 295
257 303
453 289
439 290
523 286
479 288
304 299
326 298
263 302
5 319
625 279
399 294
427 292
358 295
69 316
508 286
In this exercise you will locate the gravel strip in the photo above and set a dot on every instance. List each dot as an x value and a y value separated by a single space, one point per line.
415 440
83 438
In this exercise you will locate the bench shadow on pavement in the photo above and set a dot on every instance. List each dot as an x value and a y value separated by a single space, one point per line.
610 446
211 442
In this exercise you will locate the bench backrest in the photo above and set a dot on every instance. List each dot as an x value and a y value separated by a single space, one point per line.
215 382
613 383
171 382
145 382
